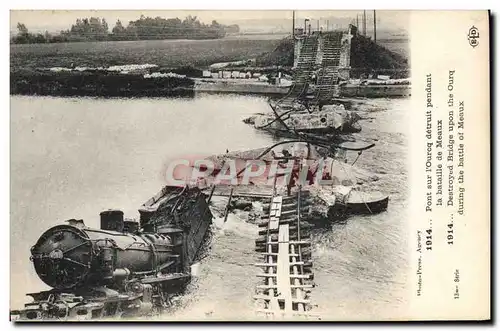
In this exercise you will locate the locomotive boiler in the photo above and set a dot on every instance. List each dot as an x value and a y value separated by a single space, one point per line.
124 268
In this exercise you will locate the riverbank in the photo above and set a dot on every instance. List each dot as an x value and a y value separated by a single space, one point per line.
375 91
102 83
155 82
372 89
243 86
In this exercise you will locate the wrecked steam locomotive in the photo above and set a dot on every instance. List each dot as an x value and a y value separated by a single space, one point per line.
124 268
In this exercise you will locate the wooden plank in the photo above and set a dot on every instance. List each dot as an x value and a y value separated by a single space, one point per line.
264 297
301 276
226 212
271 281
276 254
292 229
293 216
288 301
299 242
290 213
297 263
287 204
266 231
244 195
287 221
276 208
273 223
283 271
267 287
297 282
302 286
288 242
276 205
266 264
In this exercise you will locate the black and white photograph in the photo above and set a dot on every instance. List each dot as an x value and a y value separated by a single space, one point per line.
240 165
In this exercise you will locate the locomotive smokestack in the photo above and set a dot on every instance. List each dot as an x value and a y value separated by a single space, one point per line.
76 223
112 220
130 226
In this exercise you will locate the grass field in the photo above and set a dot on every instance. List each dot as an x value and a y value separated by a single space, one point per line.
167 53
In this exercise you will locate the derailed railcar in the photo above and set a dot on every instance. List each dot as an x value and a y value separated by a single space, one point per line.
124 268
172 211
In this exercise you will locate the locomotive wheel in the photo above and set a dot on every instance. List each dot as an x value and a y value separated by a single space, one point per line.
57 306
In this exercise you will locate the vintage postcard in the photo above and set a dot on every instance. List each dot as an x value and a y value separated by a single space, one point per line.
285 165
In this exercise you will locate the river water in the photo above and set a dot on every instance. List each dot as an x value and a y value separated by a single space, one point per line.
74 157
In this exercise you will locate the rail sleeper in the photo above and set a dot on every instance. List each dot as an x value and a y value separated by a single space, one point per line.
284 293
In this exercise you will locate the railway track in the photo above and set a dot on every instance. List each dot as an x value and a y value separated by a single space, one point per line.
287 276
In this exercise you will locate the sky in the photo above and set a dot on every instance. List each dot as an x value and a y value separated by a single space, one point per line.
55 20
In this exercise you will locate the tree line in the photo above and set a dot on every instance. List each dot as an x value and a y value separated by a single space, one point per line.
145 28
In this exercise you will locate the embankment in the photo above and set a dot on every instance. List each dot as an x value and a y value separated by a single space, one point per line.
98 83
243 86
370 57
375 91
366 57
282 55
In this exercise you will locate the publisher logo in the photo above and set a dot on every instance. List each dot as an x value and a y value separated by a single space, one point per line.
473 36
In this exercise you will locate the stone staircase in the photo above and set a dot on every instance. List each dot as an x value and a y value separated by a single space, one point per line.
303 72
327 86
